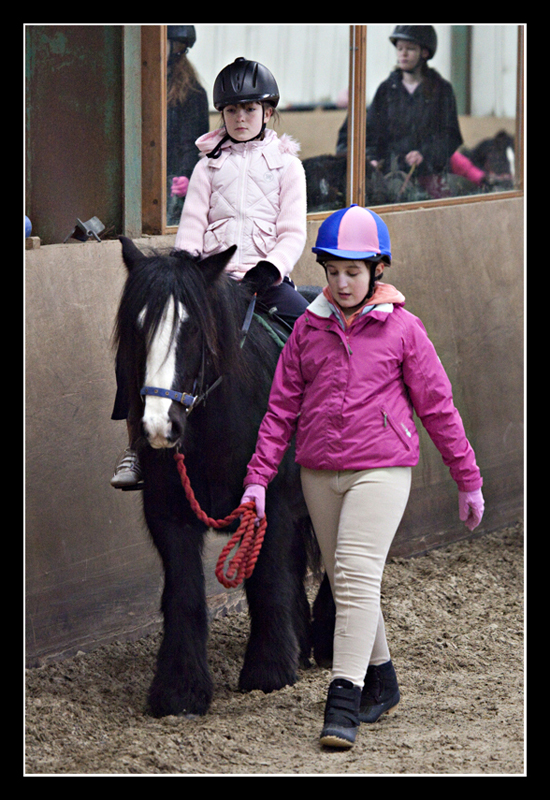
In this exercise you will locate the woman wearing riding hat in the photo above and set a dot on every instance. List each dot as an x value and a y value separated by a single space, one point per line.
348 380
412 120
186 117
249 190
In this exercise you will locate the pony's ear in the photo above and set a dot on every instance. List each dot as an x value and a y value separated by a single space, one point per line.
130 253
214 265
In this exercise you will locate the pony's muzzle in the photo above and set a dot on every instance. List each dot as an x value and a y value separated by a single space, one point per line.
163 426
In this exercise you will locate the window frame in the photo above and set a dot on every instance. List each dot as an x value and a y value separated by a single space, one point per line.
154 146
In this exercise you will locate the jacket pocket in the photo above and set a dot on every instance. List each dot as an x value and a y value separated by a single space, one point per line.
215 236
264 236
399 428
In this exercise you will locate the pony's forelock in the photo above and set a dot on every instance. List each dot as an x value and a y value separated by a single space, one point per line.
216 310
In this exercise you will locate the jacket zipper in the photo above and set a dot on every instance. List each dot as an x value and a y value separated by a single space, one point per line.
243 179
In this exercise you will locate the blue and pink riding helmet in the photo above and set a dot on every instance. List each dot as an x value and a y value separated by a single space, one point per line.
353 233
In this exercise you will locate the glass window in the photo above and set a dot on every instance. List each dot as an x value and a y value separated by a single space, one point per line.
441 111
451 134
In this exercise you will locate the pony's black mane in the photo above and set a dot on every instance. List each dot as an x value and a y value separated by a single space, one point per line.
216 309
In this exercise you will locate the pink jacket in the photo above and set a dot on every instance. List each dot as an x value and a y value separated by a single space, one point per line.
254 196
349 393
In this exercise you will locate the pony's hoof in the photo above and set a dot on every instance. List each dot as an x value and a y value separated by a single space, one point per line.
266 680
165 701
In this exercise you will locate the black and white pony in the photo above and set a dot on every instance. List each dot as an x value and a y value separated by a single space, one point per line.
179 329
496 157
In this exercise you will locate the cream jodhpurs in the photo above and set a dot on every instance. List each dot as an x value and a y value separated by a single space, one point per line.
355 515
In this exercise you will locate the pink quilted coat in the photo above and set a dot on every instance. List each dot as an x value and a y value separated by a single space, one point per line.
348 393
254 196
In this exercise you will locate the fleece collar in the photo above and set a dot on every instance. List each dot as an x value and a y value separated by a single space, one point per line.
273 148
382 302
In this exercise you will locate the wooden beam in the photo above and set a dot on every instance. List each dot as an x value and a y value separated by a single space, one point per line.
153 88
357 118
132 198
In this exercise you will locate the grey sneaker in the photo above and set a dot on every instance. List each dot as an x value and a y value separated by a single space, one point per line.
127 471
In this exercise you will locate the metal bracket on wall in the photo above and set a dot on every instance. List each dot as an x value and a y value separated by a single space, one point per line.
84 230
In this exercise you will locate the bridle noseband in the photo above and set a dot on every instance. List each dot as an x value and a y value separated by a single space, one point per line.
189 401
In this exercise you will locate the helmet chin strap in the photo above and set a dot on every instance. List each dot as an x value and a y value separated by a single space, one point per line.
216 152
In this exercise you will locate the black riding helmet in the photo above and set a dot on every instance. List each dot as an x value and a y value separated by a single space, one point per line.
245 81
181 39
424 35
185 34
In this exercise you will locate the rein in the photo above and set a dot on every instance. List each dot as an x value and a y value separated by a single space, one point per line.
248 538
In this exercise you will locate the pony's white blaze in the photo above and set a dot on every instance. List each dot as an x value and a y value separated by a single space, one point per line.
160 369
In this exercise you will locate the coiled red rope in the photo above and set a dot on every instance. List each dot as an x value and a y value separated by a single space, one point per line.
248 538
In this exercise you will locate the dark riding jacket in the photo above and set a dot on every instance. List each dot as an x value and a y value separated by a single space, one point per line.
426 120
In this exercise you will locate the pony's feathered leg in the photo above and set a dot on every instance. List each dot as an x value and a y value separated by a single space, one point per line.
182 682
279 612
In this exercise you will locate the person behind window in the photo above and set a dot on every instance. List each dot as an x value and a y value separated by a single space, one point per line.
186 118
412 122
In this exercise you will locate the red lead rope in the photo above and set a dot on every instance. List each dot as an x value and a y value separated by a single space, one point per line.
248 538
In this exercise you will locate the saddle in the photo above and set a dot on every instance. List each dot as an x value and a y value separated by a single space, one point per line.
279 327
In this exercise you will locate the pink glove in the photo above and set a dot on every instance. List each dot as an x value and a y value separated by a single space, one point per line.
470 508
461 165
256 493
179 186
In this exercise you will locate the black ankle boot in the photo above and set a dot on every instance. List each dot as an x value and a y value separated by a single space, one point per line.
380 693
341 714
